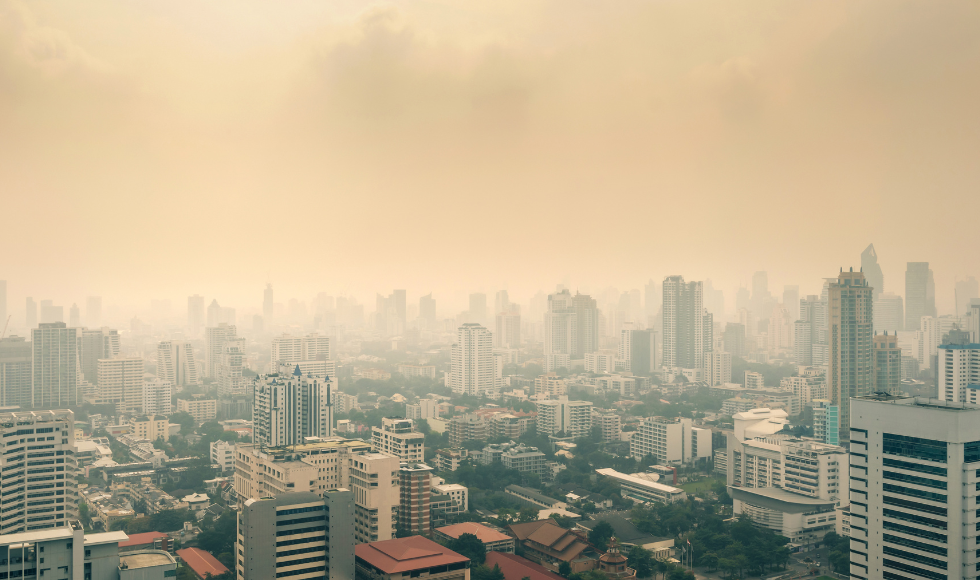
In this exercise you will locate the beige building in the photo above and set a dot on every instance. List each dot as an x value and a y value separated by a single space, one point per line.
150 428
121 384
201 409
398 438
428 371
851 371
374 481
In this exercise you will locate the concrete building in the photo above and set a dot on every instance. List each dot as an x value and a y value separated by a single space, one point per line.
427 371
492 539
223 455
889 313
683 324
573 418
202 410
56 365
914 490
96 344
959 373
670 440
644 488
121 384
600 362
638 350
459 494
826 421
611 425
805 388
150 428
230 379
424 409
508 329
717 367
851 367
38 468
887 360
560 327
920 294
290 350
176 363
157 396
398 438
473 370
297 535
467 427
16 365
411 557
525 459
288 408
415 493
374 480
215 338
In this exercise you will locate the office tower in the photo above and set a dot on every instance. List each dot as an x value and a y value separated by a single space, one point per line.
478 307
51 313
966 291
714 300
959 373
93 311
913 496
427 310
651 298
586 325
920 293
761 297
30 317
214 341
157 396
415 491
215 314
15 372
288 408
573 418
889 313
374 480
718 367
850 314
733 339
176 364
121 384
230 366
560 328
195 314
289 349
791 301
671 440
683 324
267 304
501 302
931 334
472 369
813 312
56 365
508 333
872 271
887 357
299 535
37 495
97 344
780 333
802 346
398 438
638 348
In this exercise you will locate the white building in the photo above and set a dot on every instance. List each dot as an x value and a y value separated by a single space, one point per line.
508 333
427 371
201 409
473 369
398 438
374 481
959 372
214 340
717 367
601 362
121 384
424 409
287 409
176 363
672 441
644 487
460 494
611 425
288 349
157 396
683 324
806 388
231 381
560 326
914 488
573 418
223 455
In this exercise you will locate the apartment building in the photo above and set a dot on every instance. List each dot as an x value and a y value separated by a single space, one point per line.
375 482
573 418
398 438
671 440
202 410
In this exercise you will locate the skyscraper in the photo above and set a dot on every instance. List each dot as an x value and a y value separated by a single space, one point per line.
560 326
74 316
51 312
214 341
289 408
871 269
638 348
586 325
97 344
121 384
733 339
761 297
267 304
195 314
427 310
920 294
56 365
472 370
889 312
887 356
683 324
289 349
813 315
30 316
216 314
508 333
501 302
791 301
231 380
478 307
176 364
93 311
15 372
959 373
850 327
966 290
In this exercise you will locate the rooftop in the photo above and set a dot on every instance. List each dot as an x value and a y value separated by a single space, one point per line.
145 559
140 539
201 562
516 568
483 533
610 472
779 499
406 554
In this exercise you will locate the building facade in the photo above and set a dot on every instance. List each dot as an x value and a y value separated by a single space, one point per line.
850 327
56 365
472 370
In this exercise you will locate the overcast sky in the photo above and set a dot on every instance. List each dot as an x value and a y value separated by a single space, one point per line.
159 149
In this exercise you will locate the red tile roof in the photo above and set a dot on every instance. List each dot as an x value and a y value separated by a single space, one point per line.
201 562
483 533
406 554
516 568
141 539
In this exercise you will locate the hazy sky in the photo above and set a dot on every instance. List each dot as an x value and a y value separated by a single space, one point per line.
160 149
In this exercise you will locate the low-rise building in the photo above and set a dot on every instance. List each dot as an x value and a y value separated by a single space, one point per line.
534 498
493 539
460 494
672 440
202 410
411 557
802 519
201 563
644 488
150 428
449 459
610 425
223 455
548 544
428 371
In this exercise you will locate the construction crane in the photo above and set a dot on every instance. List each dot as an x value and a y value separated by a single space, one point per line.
5 325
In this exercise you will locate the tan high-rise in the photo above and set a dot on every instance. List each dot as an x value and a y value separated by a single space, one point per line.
850 319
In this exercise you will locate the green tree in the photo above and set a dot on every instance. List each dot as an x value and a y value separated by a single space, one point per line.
710 560
470 546
185 421
640 560
527 514
564 569
600 534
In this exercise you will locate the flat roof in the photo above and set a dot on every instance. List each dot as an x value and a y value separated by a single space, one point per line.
105 538
145 559
140 539
61 533
407 554
483 533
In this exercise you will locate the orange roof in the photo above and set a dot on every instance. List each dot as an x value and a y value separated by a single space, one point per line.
201 562
406 554
140 539
517 568
482 533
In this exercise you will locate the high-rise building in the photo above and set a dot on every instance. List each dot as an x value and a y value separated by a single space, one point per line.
733 339
851 368
872 271
267 304
683 324
15 372
473 370
913 490
573 418
920 294
398 438
586 325
230 379
30 316
826 421
638 349
195 314
415 492
74 316
50 312
889 313
93 311
36 495
299 535
478 308
959 373
887 358
97 344
176 364
802 345
290 350
56 365
813 312
215 338
289 408
375 479
761 297
671 441
508 333
157 396
966 290
427 310
121 384
560 325
3 302
718 367
791 301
